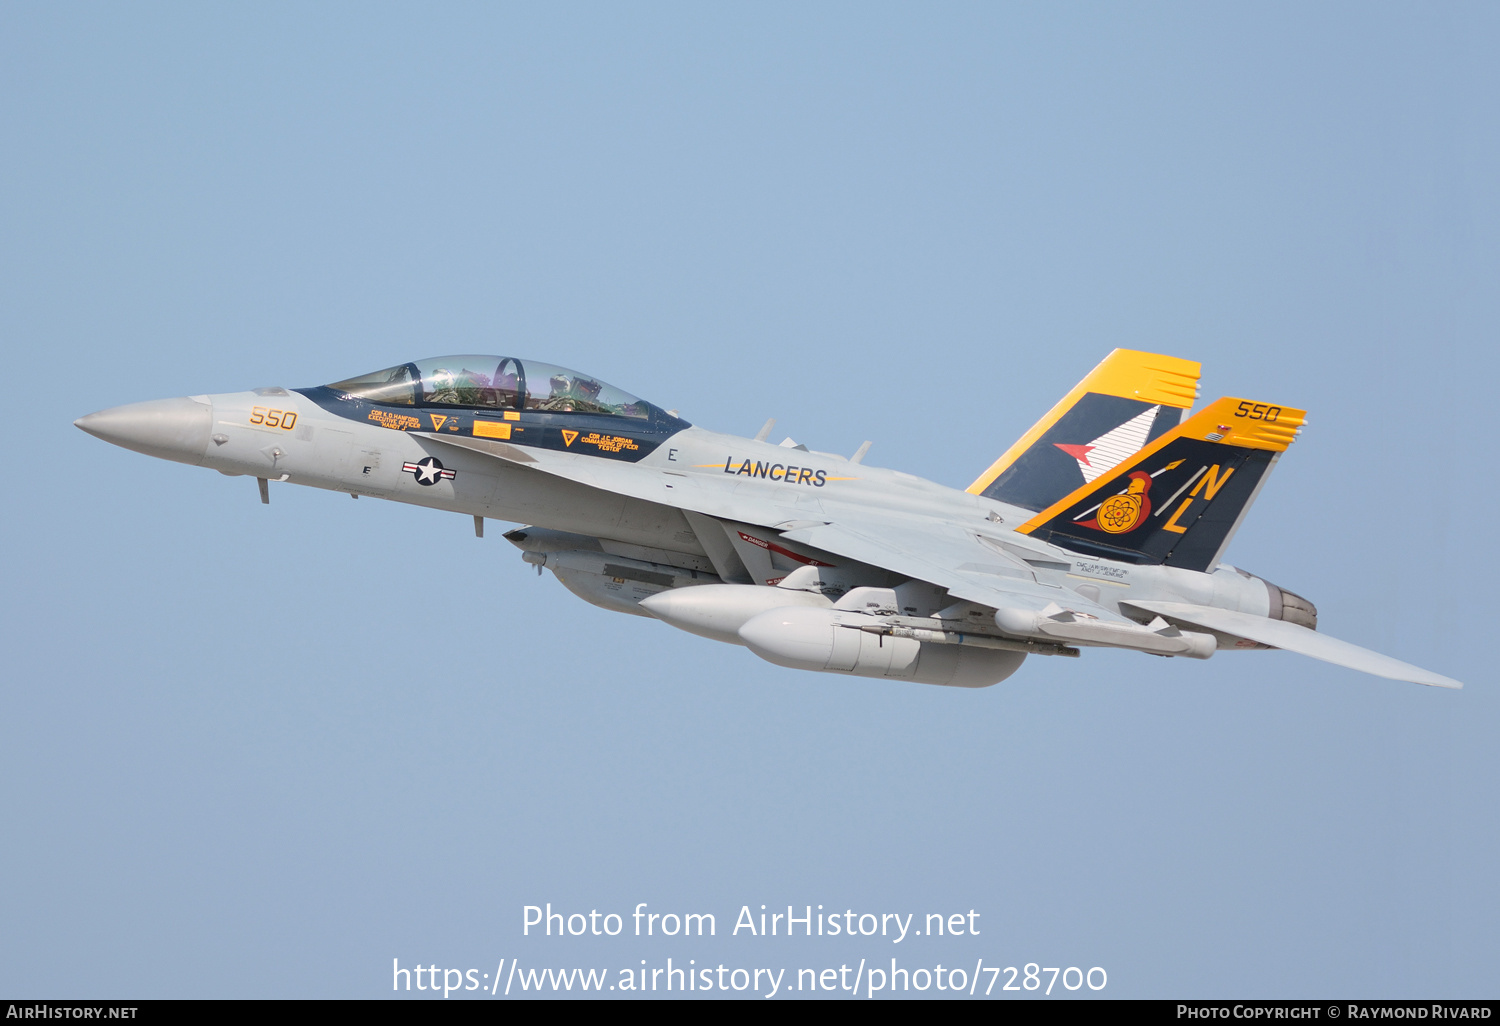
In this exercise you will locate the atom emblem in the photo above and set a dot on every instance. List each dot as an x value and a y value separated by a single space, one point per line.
1121 513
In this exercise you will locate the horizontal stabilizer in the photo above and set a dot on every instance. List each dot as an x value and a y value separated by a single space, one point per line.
1294 638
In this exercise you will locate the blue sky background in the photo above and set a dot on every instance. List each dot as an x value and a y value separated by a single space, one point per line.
261 751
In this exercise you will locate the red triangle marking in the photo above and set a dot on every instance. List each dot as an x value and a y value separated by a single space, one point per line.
1078 452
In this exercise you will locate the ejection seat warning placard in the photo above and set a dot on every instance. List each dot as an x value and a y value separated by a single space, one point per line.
491 429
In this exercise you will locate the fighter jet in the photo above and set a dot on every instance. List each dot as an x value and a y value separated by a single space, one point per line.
1104 526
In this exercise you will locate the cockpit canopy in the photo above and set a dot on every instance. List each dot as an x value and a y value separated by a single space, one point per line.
497 383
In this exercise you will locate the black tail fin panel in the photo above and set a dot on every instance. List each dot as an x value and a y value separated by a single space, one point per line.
1127 401
1179 500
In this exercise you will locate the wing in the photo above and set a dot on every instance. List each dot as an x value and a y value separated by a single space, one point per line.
971 566
980 570
1294 638
667 487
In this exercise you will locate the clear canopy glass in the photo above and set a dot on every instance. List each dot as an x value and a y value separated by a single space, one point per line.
493 382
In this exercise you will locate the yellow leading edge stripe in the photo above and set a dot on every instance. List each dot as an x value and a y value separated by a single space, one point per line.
1150 377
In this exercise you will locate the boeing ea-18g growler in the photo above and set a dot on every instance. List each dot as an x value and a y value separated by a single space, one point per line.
1103 526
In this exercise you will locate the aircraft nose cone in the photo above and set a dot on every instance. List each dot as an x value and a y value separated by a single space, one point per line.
172 429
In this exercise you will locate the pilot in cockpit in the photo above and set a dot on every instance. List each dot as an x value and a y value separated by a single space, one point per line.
561 394
441 386
576 394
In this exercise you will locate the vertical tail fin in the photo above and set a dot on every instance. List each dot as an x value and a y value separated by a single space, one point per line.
1128 400
1179 500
